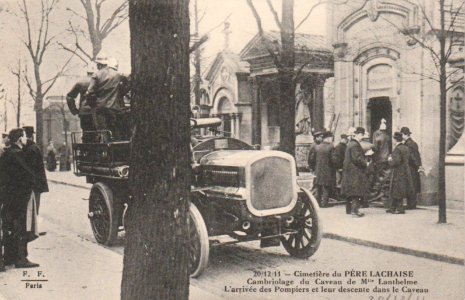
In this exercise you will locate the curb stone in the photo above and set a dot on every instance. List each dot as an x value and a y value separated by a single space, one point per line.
398 249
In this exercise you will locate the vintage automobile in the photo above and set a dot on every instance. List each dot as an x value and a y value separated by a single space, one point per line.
237 191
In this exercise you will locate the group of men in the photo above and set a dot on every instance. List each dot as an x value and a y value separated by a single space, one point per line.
22 180
352 163
101 101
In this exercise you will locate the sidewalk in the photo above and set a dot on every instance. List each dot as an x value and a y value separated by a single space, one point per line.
415 233
71 268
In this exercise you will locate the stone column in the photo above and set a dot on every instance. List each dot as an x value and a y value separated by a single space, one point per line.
256 110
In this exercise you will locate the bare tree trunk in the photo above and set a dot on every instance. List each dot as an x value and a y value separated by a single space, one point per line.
442 118
197 76
286 81
156 256
18 111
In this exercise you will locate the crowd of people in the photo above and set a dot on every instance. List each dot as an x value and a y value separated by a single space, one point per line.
352 167
22 181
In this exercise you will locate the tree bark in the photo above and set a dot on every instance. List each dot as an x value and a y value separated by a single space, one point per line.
286 80
442 118
155 256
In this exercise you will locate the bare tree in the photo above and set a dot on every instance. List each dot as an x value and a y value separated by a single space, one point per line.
440 43
38 41
283 56
155 254
98 28
18 73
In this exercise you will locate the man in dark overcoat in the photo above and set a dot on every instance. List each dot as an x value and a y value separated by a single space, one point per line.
354 169
317 139
34 159
401 184
17 181
414 164
324 169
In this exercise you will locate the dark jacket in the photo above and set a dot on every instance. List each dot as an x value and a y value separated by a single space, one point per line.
381 142
338 155
79 88
15 178
34 159
105 88
354 177
414 163
401 185
324 169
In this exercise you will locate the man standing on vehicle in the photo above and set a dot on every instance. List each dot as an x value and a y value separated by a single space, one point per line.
104 96
414 164
84 111
354 179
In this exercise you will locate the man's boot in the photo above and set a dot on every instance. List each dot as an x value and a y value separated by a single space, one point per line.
356 207
348 206
22 261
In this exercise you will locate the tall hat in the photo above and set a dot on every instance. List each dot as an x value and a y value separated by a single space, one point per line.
29 130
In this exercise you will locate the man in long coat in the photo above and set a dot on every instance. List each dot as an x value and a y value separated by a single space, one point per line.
17 181
34 159
401 184
414 164
324 169
354 169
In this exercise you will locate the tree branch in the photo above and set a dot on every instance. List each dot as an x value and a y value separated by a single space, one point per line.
108 24
261 33
275 14
197 44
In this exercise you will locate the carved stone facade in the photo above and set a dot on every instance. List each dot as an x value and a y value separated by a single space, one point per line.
380 73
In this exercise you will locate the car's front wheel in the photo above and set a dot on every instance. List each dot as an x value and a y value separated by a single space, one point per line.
199 247
307 227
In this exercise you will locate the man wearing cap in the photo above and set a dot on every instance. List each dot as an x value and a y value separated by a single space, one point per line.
17 181
34 159
324 170
105 97
317 139
84 112
354 169
401 185
414 164
338 160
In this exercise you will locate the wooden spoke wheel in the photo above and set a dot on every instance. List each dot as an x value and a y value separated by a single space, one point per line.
103 214
198 243
307 224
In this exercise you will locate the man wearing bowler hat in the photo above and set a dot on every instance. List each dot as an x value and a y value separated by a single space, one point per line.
354 170
414 164
35 161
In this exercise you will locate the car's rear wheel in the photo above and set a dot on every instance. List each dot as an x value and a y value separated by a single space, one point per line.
198 245
307 224
103 214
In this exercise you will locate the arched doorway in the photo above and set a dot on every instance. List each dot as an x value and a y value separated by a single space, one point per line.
379 108
225 109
